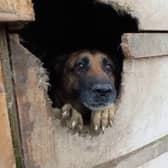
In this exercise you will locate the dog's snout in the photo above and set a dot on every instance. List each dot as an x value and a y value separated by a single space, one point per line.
102 89
97 94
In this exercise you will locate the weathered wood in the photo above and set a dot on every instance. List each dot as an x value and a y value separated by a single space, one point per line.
35 122
159 162
16 10
139 45
11 104
142 155
7 159
142 114
151 13
140 119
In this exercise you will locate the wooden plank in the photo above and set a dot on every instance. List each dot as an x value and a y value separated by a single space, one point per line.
35 122
10 96
16 10
159 162
140 119
7 159
151 13
139 45
142 155
143 108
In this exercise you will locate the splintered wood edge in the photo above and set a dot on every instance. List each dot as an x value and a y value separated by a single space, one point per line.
19 57
125 46
41 71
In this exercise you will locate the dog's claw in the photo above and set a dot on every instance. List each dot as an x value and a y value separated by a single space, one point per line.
80 127
103 128
111 123
102 119
73 124
96 128
72 118
64 114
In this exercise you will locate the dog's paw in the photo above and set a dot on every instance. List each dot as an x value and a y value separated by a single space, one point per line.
102 119
72 118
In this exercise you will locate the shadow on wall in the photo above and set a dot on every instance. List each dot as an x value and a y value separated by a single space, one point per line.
64 26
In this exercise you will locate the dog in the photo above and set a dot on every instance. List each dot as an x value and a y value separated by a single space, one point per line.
63 27
88 87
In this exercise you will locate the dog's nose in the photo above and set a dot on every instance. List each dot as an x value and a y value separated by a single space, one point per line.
102 89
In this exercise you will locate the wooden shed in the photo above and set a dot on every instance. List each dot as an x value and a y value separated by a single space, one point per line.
32 137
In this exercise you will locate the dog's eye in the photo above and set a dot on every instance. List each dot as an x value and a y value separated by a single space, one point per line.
80 67
108 68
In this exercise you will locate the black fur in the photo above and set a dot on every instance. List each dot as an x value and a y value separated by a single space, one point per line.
96 94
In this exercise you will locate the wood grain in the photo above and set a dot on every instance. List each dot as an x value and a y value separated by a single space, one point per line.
140 45
35 122
7 159
10 95
16 10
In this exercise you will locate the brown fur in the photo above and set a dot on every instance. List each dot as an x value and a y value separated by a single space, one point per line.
71 80
73 111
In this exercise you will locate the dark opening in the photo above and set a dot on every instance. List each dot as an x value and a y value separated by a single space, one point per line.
64 26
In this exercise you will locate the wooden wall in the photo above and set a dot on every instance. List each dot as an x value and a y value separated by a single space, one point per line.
16 10
139 133
137 136
151 14
7 159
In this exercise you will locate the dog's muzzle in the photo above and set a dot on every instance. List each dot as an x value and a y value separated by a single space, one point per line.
97 94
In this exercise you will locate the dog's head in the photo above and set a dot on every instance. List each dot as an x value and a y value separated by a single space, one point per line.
89 79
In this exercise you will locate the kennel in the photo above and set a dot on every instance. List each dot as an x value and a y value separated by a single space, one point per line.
31 136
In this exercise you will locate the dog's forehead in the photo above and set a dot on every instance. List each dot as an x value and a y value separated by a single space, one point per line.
91 55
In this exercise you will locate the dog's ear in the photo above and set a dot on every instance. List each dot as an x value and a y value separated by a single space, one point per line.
59 64
117 58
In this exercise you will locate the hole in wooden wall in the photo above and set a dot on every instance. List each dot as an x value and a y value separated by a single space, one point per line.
64 26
